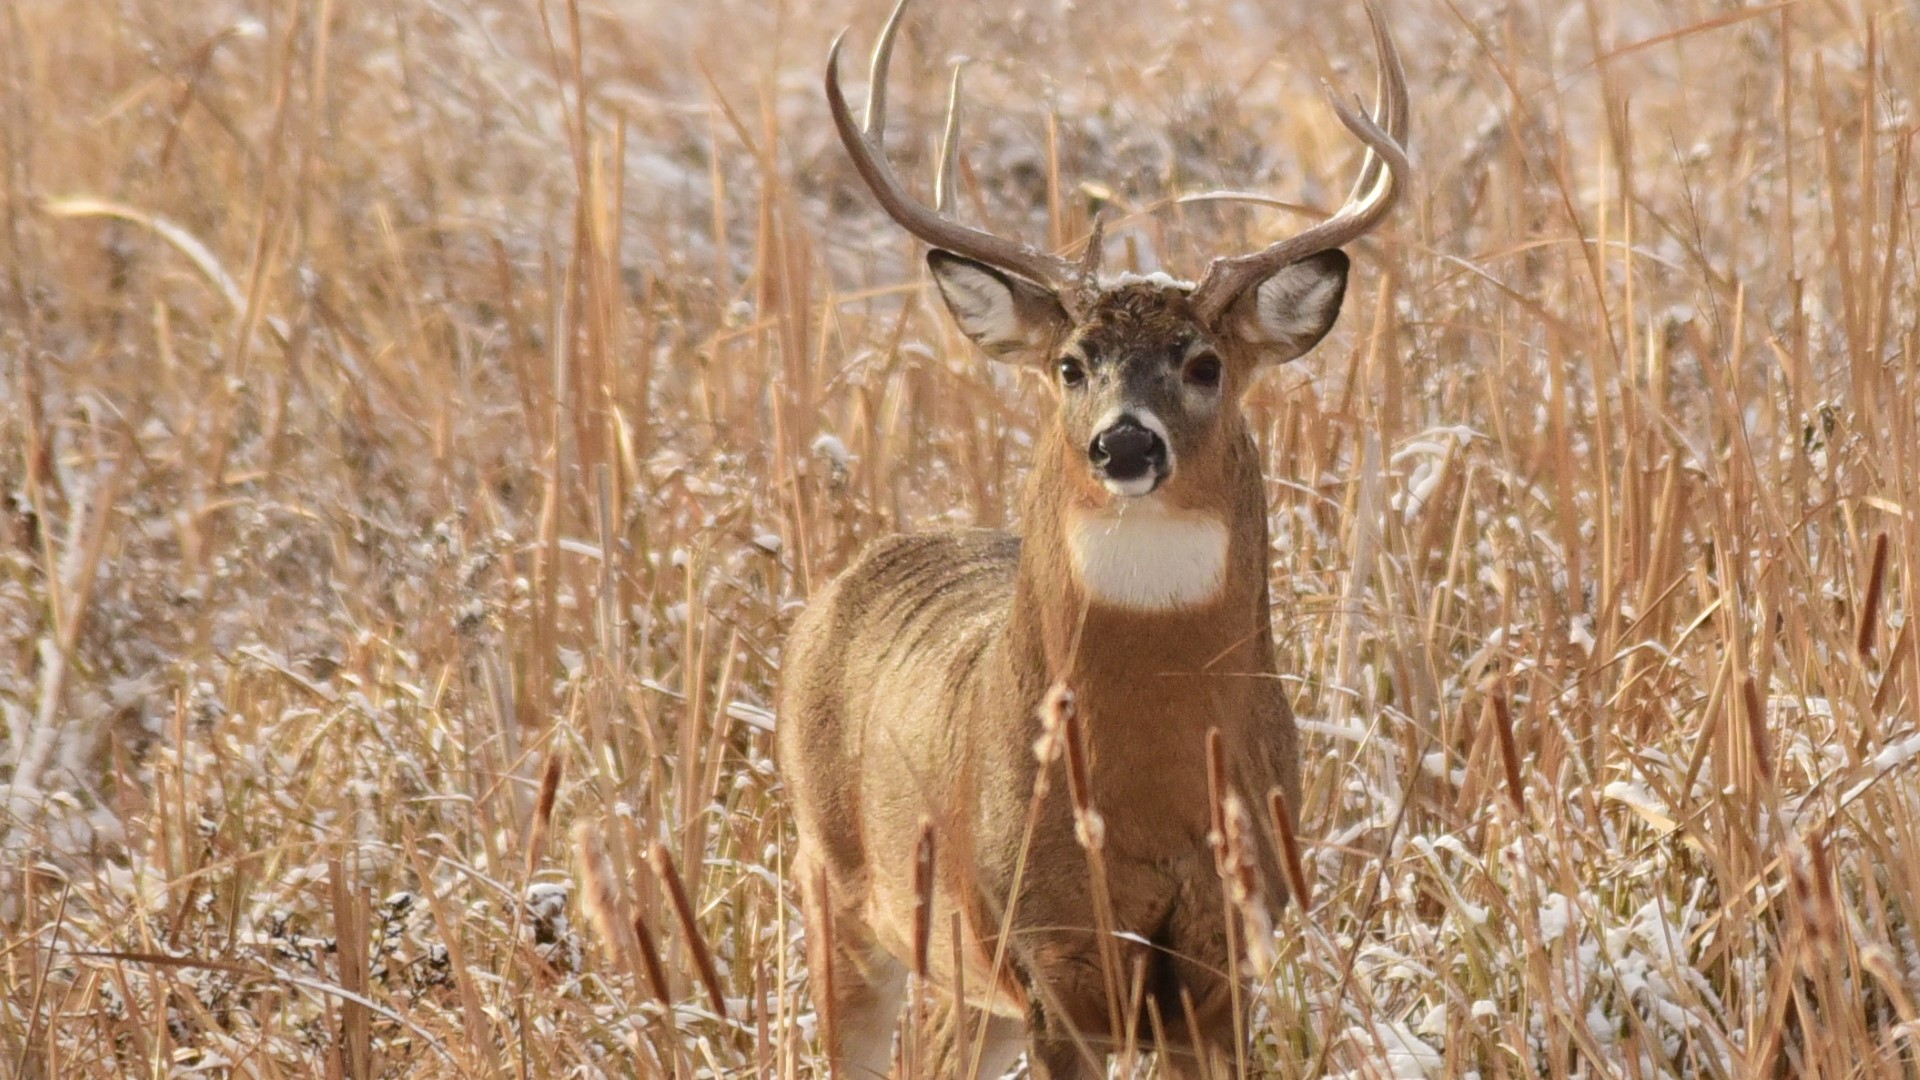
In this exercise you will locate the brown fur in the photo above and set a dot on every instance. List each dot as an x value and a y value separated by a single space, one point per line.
911 690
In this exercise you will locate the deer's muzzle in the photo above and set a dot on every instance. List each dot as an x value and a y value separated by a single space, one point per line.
1129 457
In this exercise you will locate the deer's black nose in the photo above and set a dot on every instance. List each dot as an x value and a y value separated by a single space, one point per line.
1127 450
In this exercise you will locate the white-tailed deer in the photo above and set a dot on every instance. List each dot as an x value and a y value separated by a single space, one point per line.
913 684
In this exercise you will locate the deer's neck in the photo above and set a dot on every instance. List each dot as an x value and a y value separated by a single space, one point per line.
1154 613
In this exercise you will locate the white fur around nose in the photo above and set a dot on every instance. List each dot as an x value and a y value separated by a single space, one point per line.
1141 555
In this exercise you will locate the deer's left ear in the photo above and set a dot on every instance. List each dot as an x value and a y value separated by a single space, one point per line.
1288 313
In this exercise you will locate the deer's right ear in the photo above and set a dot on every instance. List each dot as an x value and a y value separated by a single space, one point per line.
1004 315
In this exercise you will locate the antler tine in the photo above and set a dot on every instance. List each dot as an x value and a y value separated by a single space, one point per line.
1374 194
864 145
949 148
1383 108
1388 105
875 121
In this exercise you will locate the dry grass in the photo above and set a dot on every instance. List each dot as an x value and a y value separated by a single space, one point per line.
409 438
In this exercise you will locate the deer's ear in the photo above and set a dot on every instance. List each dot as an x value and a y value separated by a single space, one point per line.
1008 317
1288 313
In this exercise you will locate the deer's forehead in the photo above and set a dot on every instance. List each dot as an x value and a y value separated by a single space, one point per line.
1135 319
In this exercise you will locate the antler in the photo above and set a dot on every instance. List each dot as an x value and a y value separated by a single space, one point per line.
867 149
1373 195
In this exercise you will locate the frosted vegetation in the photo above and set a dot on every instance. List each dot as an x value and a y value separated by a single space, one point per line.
420 421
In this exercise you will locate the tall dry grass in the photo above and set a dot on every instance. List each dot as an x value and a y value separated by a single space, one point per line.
414 447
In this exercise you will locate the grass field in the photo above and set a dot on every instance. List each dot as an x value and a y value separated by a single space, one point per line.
421 421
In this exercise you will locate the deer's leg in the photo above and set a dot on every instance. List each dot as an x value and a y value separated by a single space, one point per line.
858 987
1197 1063
1068 1017
1193 994
1003 1041
1060 1057
1201 1038
1006 1038
869 990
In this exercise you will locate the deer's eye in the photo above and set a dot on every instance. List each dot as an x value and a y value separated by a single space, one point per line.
1071 373
1203 370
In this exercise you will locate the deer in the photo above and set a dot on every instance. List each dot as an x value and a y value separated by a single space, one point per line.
915 685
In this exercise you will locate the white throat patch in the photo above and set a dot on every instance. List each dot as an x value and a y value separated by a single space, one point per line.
1140 555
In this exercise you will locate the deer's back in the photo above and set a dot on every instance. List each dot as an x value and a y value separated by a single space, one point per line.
881 675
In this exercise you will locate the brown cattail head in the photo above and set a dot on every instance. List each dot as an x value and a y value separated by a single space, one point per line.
1810 872
1216 789
1281 815
662 863
1870 599
650 960
922 898
1756 717
1493 709
543 812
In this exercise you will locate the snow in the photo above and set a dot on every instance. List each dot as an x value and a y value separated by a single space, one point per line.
1408 1056
1159 279
1555 915
1641 801
1897 754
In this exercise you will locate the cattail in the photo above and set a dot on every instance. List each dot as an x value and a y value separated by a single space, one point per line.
1216 790
598 895
683 907
820 922
1756 715
958 1018
1494 708
1810 875
1088 827
1281 816
1870 600
543 812
922 898
650 957
1239 870
602 900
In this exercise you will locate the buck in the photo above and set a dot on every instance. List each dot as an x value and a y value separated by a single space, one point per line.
913 684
